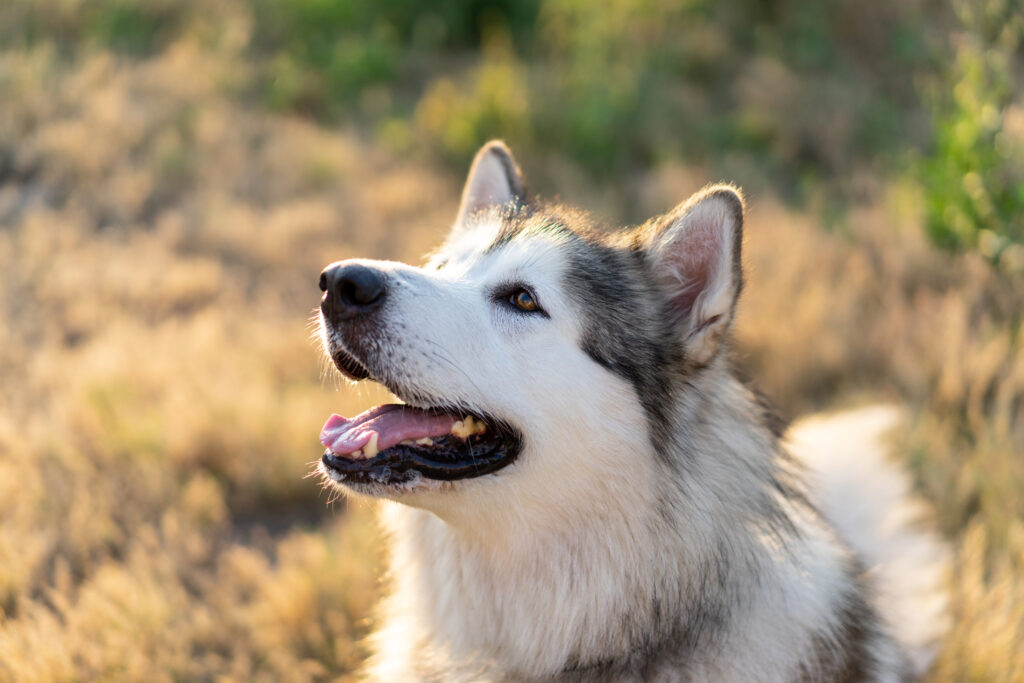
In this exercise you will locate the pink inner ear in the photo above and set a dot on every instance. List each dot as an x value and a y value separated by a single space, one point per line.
689 263
492 190
489 185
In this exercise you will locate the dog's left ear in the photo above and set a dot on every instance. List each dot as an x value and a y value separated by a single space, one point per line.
494 180
695 255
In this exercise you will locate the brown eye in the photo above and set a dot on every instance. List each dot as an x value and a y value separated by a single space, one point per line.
524 301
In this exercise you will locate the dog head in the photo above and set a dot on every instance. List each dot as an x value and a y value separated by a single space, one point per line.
532 352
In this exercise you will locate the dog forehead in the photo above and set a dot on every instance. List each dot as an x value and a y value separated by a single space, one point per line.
534 256
495 251
467 245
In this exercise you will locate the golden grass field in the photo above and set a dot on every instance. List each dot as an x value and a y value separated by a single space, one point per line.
161 397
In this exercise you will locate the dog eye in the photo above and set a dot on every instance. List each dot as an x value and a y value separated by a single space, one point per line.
523 300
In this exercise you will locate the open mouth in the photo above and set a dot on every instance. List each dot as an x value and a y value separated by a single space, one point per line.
395 444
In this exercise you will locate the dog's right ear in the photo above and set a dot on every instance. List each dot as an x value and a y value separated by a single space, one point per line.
494 180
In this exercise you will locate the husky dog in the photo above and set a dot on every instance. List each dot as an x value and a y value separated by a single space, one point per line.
587 491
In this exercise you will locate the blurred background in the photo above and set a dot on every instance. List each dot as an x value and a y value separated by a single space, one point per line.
175 173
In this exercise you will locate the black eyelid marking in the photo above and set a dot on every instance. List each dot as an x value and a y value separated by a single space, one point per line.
502 295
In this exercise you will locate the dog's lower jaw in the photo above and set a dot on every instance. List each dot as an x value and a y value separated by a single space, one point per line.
404 492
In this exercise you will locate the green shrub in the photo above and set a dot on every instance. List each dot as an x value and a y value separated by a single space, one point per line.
974 176
134 27
494 101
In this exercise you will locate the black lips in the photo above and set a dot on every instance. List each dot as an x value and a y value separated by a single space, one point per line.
448 459
349 366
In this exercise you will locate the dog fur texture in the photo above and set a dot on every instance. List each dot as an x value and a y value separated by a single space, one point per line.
658 523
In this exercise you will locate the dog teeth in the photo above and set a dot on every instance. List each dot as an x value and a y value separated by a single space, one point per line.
370 449
468 426
425 441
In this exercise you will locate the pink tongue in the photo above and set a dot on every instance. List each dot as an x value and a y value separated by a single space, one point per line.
391 423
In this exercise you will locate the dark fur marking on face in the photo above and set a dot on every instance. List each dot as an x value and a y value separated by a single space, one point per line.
622 330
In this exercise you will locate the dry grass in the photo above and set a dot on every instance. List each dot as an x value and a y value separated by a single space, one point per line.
160 398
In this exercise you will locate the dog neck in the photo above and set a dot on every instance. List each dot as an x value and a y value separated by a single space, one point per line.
610 573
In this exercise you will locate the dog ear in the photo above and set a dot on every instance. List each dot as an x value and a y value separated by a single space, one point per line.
695 256
494 180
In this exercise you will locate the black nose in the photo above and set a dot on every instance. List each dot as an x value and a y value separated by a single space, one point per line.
351 289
